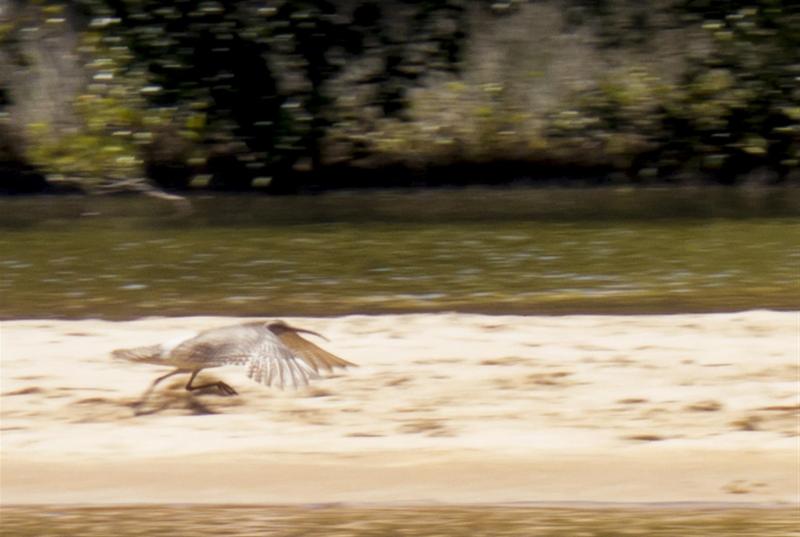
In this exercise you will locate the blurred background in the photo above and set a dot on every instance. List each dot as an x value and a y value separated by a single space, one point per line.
225 102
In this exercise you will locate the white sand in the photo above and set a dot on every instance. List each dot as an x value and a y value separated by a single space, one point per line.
447 408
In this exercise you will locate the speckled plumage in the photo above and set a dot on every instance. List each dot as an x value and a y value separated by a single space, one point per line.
273 353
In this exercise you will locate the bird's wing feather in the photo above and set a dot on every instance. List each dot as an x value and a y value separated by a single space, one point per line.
269 359
271 363
311 354
227 345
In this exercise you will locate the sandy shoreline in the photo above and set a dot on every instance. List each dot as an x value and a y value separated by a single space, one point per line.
443 408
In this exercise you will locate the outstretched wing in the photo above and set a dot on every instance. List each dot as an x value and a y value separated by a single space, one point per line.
271 363
266 358
314 356
283 359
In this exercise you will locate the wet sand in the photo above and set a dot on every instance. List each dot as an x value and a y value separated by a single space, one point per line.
339 520
444 408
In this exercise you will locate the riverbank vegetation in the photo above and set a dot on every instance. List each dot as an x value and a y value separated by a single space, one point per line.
287 95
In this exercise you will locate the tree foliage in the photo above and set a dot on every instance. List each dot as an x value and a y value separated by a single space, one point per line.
231 91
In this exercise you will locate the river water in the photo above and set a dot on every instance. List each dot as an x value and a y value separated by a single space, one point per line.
501 251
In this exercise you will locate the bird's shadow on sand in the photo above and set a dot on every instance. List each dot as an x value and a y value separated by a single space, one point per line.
175 397
63 403
157 405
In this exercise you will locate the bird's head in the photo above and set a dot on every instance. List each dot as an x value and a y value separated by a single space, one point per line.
281 327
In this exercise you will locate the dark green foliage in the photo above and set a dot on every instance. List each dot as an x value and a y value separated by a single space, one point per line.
231 91
251 76
734 111
741 110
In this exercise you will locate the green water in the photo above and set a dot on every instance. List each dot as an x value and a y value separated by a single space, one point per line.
343 521
525 251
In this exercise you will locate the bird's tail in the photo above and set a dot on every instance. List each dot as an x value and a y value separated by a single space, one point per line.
148 355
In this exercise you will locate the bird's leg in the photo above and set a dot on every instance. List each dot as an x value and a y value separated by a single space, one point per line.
224 388
149 390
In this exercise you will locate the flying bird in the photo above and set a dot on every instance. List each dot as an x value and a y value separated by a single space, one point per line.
273 352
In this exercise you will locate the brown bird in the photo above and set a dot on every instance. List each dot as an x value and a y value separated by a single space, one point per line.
273 351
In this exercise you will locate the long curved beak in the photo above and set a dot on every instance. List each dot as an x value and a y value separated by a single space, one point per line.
294 328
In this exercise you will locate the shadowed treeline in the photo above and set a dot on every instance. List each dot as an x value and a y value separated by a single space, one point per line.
291 95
